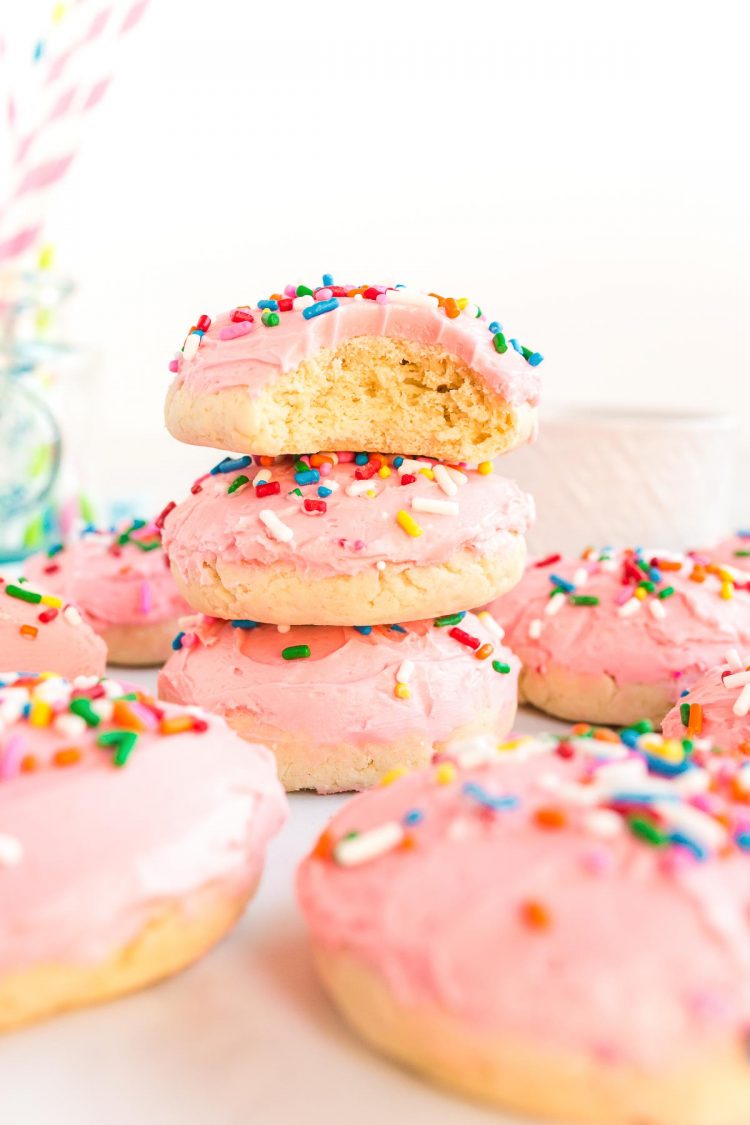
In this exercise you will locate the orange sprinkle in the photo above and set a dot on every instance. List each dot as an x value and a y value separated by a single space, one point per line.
440 300
550 818
698 574
266 461
483 652
29 763
324 846
408 842
401 691
695 720
319 459
70 756
604 734
535 915
668 564
580 728
451 308
28 631
124 716
176 725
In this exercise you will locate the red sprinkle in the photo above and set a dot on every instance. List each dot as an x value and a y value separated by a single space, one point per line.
196 488
241 313
464 638
47 615
315 506
286 304
159 521
52 568
366 472
548 561
408 478
565 750
268 488
204 323
371 294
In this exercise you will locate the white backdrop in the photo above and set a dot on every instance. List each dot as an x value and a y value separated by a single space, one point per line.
580 169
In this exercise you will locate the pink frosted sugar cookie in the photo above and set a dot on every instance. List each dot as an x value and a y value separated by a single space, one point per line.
717 707
122 584
560 927
348 539
132 834
355 367
616 636
341 707
40 633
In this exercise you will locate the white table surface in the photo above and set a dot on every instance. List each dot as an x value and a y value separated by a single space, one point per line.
244 1036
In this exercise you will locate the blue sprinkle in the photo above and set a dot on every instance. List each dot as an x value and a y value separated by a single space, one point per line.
244 623
495 327
327 280
229 464
38 51
630 738
480 794
320 307
365 630
398 462
663 768
310 476
568 587
742 840
684 693
26 710
177 642
626 797
323 491
397 629
414 816
361 458
654 574
688 842
515 344
197 332
535 359
743 533
272 305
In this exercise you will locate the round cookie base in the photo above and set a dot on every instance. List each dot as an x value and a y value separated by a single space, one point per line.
139 646
598 699
351 766
174 937
711 1089
369 392
280 595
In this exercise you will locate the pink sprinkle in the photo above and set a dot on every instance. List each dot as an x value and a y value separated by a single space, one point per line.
305 458
624 596
358 544
10 756
290 290
232 331
174 366
188 640
323 294
145 600
597 861
325 469
344 456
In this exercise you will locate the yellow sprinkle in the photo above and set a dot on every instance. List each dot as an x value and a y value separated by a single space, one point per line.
392 775
640 593
485 468
401 691
46 258
462 302
371 494
727 590
52 600
445 773
384 471
58 12
40 714
512 744
409 525
671 749
427 473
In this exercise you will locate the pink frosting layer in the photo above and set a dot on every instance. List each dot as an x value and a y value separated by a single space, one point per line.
55 637
111 584
673 639
354 534
724 716
88 851
578 937
261 354
345 690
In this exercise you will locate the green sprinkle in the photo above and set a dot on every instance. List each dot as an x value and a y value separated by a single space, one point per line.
645 830
685 713
643 726
123 742
238 483
303 291
742 554
449 619
647 584
296 652
643 565
54 550
500 667
84 710
23 595
146 544
87 509
666 592
687 746
270 319
301 467
130 697
295 492
500 343
583 599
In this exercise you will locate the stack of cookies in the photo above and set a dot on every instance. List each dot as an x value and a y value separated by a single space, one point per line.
333 560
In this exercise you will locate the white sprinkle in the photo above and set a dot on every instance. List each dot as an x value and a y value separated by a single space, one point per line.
733 660
262 477
380 565
283 628
302 302
692 782
584 796
603 823
275 527
71 615
693 822
472 752
535 629
410 297
360 487
631 606
83 683
368 845
470 310
11 851
112 688
444 481
581 576
411 466
491 625
54 690
69 725
737 679
656 608
622 772
742 703
608 565
435 507
456 475
596 748
555 603
332 485
191 345
104 708
404 673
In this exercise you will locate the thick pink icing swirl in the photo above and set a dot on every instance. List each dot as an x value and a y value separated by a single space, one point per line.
88 851
673 639
345 689
112 583
529 903
42 637
353 534
261 354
